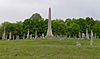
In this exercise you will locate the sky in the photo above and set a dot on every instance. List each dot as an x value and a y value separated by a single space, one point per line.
19 10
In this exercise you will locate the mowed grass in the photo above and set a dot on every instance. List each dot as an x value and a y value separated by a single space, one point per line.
49 49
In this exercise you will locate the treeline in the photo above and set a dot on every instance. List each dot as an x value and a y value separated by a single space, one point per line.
60 27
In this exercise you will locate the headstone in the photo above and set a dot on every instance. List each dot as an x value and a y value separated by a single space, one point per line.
66 36
83 36
87 35
9 36
43 35
4 35
79 35
69 37
13 37
49 30
17 37
31 36
24 36
95 37
28 35
35 34
78 44
75 36
91 41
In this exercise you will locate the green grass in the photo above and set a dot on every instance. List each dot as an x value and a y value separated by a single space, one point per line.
49 49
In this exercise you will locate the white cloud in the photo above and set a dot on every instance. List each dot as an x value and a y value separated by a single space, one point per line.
16 10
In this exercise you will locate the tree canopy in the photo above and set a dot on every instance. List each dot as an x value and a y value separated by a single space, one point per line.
59 26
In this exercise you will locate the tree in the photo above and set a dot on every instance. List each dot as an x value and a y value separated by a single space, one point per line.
58 27
89 23
73 29
33 24
96 28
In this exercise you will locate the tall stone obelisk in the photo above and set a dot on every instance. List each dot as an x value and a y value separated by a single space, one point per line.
49 30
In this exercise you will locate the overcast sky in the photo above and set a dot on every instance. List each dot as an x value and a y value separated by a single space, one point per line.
18 10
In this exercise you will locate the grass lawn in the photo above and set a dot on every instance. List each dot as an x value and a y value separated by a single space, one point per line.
49 49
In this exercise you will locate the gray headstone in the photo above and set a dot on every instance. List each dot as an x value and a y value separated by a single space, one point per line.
10 36
24 36
28 35
13 37
66 36
75 36
4 35
95 37
17 37
43 35
83 36
31 36
91 41
69 37
35 34
87 34
79 35
78 44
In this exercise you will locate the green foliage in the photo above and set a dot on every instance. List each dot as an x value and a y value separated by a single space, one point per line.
59 27
73 28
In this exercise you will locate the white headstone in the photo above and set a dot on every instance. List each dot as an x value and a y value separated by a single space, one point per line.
4 35
95 37
10 36
91 41
87 35
17 37
28 34
13 37
78 44
24 36
31 36
69 37
35 34
43 35
83 36
79 34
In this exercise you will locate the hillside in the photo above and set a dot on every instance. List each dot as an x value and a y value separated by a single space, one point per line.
49 49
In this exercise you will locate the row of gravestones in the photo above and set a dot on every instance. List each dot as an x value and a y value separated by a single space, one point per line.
87 35
90 37
29 36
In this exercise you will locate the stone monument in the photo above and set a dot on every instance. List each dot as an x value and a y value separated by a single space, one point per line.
49 30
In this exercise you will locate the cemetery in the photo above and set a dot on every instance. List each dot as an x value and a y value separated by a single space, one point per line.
39 38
